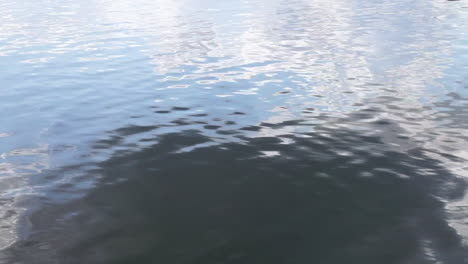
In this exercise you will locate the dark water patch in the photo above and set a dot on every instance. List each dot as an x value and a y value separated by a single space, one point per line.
199 115
212 127
134 129
179 108
231 203
252 128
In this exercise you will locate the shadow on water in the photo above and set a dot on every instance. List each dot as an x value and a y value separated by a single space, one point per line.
328 196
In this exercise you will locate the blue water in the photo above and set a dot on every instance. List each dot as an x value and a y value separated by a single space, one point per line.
254 131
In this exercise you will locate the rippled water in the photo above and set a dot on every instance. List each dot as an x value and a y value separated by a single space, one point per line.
301 131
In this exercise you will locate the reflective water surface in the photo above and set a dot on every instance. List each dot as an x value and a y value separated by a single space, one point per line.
254 131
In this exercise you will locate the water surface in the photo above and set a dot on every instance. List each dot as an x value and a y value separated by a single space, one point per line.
254 131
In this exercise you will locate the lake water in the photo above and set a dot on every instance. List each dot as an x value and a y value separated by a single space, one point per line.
250 131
